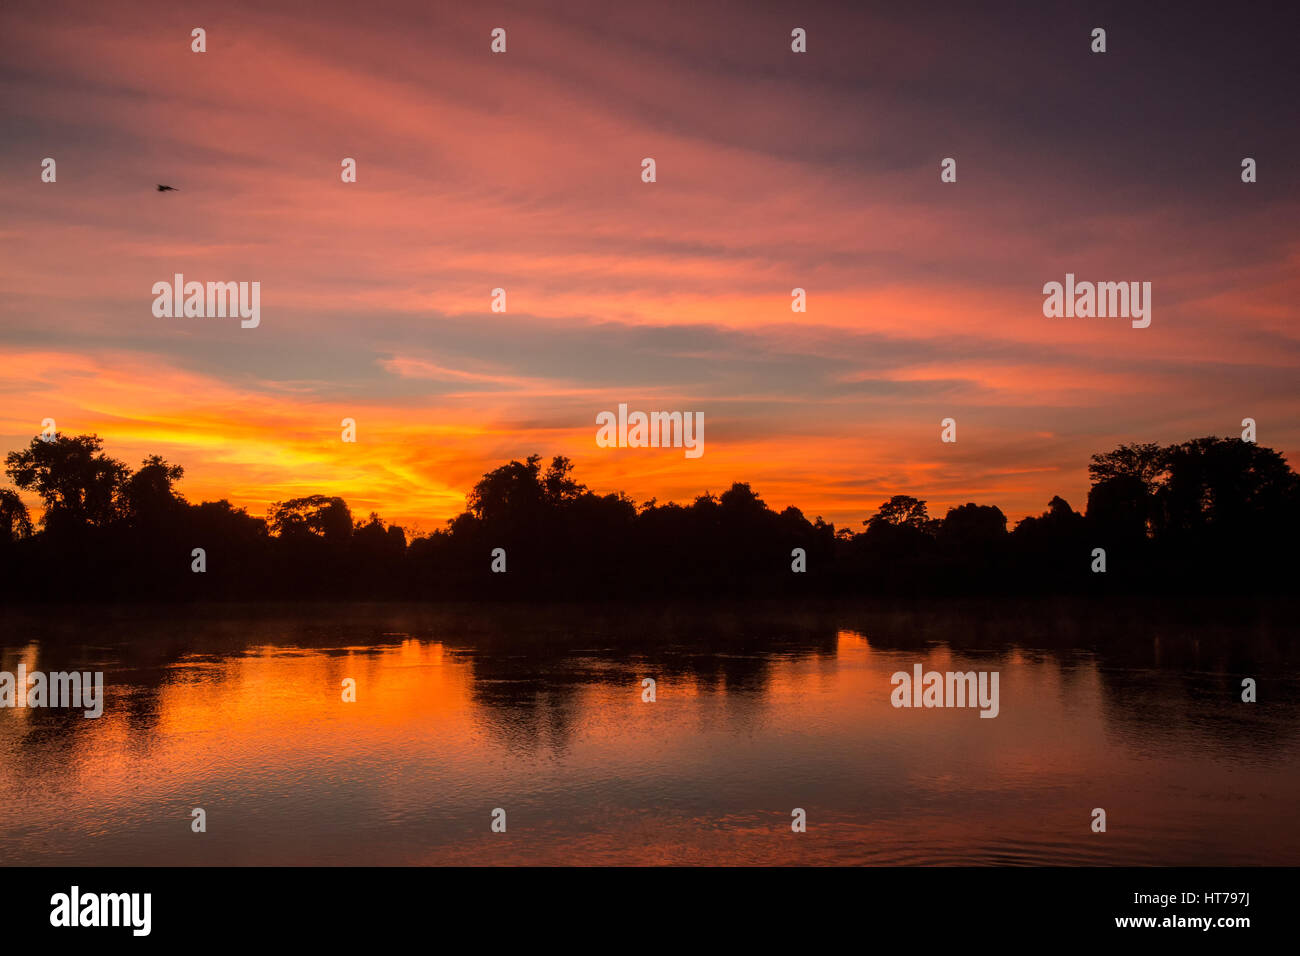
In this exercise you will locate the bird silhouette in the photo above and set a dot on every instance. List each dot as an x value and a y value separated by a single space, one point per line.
163 189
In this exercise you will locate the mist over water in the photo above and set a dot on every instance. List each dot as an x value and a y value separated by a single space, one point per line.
759 710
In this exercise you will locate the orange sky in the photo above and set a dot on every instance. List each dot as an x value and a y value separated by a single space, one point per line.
522 171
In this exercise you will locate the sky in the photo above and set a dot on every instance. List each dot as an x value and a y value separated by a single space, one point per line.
522 171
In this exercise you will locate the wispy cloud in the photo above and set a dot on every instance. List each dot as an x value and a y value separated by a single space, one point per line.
521 171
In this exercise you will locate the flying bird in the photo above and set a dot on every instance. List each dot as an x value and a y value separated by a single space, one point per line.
163 189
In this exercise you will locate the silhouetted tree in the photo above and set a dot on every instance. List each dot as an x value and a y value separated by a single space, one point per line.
78 483
558 484
1051 546
1147 462
319 515
512 493
902 511
149 496
1201 514
1120 509
1223 487
14 520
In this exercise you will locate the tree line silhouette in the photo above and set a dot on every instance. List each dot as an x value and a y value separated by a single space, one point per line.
1210 513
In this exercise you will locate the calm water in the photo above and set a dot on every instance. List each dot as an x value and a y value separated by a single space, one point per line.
239 711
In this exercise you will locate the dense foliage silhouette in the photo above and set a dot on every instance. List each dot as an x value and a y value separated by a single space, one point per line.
1211 513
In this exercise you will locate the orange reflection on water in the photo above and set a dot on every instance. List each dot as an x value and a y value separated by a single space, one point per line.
448 725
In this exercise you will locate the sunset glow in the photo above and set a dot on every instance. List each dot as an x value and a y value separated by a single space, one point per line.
521 172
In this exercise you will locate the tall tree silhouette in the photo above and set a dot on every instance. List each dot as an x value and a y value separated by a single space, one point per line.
77 481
